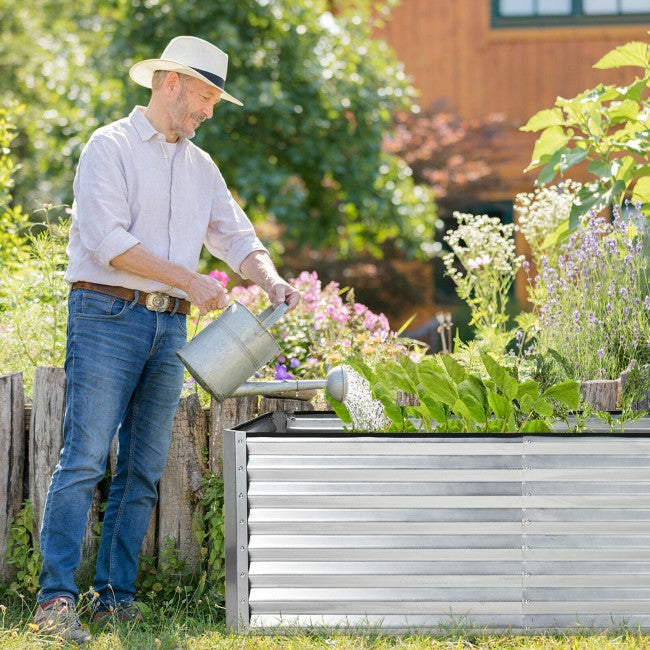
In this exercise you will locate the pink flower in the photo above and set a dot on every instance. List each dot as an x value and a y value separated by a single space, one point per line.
220 276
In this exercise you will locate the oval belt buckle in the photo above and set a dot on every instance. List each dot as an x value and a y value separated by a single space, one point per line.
157 301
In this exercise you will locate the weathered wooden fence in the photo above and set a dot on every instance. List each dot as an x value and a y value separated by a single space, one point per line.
31 439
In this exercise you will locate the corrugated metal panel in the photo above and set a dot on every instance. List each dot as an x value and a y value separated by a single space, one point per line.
586 522
387 531
404 533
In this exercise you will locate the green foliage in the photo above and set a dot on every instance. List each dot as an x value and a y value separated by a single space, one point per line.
607 127
33 303
307 148
212 538
22 552
451 399
54 60
163 578
13 221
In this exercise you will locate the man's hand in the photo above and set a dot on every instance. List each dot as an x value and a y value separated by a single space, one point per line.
206 293
282 292
260 269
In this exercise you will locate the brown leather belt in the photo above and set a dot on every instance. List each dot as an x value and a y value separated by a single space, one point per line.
154 301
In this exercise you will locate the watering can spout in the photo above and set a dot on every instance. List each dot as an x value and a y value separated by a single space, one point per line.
335 385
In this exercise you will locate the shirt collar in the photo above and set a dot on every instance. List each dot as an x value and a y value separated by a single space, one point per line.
144 127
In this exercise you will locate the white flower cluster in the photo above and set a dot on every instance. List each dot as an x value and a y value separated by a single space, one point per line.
539 213
481 242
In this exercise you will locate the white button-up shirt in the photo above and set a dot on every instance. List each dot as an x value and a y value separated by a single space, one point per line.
130 188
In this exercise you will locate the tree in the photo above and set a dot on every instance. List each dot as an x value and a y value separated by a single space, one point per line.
306 149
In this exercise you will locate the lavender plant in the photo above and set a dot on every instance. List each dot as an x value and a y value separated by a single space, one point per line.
594 306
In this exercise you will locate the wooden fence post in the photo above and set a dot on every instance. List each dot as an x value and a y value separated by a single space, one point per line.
180 486
12 456
224 415
45 443
45 436
271 404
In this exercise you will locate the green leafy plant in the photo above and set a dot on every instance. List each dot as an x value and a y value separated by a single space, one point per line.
212 538
609 128
23 553
164 577
451 399
33 302
13 221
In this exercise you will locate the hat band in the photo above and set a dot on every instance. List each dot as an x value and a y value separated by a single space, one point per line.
215 79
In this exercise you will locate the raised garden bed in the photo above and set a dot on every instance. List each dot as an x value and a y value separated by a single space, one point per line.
401 532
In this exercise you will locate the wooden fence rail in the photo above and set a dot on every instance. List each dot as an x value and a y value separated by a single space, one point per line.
31 439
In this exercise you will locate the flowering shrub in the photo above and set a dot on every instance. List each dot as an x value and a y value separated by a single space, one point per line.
594 308
485 248
326 327
540 213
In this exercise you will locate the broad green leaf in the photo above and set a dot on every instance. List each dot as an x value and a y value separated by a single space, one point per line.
542 407
551 139
504 381
500 405
603 169
634 91
438 386
572 157
634 53
341 410
535 426
543 119
627 109
461 410
549 172
566 392
527 403
627 169
588 199
435 408
641 191
472 392
394 374
528 387
455 370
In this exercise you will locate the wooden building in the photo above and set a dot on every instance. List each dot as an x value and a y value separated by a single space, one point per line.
511 57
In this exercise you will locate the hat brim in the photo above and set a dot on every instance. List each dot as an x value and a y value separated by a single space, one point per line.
142 74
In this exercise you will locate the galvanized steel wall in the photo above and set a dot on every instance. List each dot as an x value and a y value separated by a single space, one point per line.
403 533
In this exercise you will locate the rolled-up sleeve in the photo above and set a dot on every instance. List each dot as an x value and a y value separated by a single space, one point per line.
230 235
101 204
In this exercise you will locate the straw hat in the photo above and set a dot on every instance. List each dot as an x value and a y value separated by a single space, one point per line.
191 56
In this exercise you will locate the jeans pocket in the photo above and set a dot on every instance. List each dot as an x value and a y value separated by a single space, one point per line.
100 306
181 322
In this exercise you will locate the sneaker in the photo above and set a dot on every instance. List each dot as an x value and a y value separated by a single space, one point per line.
126 611
58 617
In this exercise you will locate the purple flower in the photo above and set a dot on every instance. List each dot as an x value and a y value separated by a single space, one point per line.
646 303
281 372
294 363
600 353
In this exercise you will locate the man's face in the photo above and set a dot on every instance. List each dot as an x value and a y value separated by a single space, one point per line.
193 103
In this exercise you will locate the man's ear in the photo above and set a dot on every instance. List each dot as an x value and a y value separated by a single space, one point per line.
172 82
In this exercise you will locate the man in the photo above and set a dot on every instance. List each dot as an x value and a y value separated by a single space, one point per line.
146 199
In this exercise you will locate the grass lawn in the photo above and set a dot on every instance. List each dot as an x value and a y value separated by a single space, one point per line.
172 627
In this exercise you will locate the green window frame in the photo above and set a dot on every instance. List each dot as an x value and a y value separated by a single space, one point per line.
577 15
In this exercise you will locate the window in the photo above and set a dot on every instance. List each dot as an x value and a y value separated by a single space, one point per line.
523 13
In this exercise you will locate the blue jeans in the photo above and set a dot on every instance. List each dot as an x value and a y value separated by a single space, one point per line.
122 376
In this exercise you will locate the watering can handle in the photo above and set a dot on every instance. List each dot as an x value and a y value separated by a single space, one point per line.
269 317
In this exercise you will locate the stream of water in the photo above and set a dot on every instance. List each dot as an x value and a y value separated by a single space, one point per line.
367 413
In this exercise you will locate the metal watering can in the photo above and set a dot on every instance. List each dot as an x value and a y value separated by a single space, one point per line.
237 344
